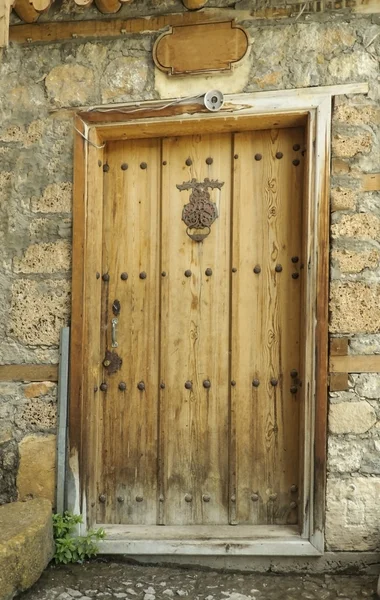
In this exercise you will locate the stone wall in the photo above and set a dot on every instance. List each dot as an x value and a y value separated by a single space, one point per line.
39 83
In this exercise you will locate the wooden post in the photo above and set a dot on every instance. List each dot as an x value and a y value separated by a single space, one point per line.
5 8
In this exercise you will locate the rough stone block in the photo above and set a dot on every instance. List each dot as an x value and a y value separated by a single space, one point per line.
50 228
14 133
45 258
351 417
39 310
365 344
35 390
367 385
9 462
357 114
350 66
34 133
40 415
343 199
355 262
124 78
344 456
5 180
370 463
354 308
70 85
26 545
353 514
36 475
56 198
359 225
348 146
269 80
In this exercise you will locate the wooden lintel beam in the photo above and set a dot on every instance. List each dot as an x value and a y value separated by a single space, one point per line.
367 363
60 31
28 372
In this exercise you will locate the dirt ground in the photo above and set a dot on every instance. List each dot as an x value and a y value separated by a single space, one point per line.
117 581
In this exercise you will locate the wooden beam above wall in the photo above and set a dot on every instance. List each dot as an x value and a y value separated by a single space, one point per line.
65 30
28 372
370 182
342 363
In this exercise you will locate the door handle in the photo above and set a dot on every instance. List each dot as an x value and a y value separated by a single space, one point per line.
114 323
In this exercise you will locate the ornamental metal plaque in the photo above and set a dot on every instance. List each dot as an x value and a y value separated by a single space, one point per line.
200 212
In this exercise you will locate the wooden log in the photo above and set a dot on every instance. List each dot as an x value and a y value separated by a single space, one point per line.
83 2
28 372
194 4
108 6
30 10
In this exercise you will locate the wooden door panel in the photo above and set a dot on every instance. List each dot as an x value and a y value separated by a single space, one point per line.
194 338
131 260
265 332
223 315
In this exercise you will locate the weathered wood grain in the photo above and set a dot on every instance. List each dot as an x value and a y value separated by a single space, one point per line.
28 372
194 342
369 363
265 332
131 244
185 50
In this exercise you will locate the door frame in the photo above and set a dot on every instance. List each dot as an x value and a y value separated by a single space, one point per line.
310 108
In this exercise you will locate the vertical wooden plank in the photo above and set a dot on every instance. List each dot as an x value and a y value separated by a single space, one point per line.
265 333
77 298
91 325
5 9
322 195
131 261
195 330
307 363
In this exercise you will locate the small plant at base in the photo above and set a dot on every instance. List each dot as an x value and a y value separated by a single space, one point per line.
70 548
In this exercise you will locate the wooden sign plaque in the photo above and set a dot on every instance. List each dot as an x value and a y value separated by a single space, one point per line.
203 48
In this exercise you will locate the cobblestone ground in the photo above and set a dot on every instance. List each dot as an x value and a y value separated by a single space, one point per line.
119 581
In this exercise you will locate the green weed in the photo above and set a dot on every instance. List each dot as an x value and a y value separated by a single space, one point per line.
70 548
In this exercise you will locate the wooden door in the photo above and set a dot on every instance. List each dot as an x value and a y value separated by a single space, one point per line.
202 383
